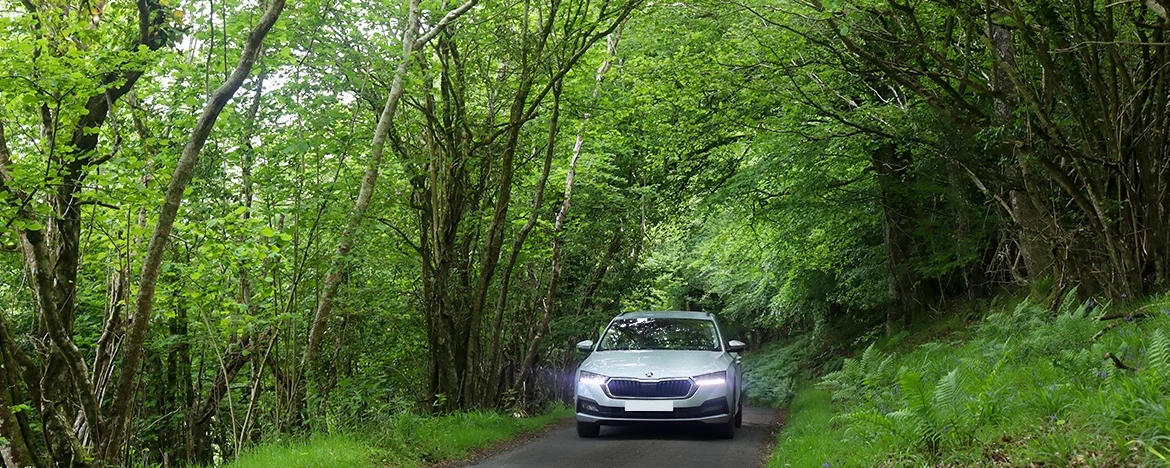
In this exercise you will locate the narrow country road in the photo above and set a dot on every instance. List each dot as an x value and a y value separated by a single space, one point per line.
646 446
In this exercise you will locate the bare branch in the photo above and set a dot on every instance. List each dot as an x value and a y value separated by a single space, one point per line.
447 19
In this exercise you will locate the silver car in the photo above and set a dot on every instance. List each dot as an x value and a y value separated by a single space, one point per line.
660 367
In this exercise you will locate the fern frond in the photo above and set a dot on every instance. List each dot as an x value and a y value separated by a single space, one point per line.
991 377
868 356
878 420
1159 353
922 411
918 397
901 423
878 375
1069 302
947 393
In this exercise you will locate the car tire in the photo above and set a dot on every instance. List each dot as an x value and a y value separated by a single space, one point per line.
739 414
727 429
588 430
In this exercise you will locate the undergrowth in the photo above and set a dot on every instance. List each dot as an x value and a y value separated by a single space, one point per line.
771 373
1024 386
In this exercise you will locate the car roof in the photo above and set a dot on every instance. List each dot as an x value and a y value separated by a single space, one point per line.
665 314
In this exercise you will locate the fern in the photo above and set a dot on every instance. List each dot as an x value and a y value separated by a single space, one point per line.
921 410
947 393
984 407
1070 305
1159 353
900 423
859 379
884 422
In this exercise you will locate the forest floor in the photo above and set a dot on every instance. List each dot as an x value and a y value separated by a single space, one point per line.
1074 384
404 440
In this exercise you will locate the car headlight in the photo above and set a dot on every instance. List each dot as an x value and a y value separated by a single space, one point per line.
714 378
592 378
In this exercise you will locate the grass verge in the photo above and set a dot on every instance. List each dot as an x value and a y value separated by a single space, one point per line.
812 439
404 440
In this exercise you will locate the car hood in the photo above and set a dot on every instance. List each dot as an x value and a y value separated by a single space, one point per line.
663 363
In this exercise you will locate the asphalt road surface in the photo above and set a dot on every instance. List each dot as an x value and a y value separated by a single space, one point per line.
679 446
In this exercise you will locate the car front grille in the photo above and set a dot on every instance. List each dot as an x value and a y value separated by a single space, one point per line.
624 388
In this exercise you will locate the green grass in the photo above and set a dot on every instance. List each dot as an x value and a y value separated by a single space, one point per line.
403 440
811 439
327 450
1024 385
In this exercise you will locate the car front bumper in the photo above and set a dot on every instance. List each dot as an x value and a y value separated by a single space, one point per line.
713 411
706 404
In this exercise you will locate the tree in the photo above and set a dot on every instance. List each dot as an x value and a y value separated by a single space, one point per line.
52 251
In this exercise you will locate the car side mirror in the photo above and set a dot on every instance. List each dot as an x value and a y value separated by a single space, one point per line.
734 346
585 346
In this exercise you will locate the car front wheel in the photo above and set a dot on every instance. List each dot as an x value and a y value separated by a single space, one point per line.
587 429
727 429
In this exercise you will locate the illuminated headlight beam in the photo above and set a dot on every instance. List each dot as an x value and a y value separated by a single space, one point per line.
590 378
712 379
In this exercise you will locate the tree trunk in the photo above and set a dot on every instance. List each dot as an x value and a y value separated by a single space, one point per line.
899 227
17 452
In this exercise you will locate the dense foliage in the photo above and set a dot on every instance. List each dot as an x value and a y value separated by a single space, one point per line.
890 156
231 221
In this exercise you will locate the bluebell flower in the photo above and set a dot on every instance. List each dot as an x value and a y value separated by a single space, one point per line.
826 464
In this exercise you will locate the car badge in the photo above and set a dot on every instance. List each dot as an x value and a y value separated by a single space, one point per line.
649 374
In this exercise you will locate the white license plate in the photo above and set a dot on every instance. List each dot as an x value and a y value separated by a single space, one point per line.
649 405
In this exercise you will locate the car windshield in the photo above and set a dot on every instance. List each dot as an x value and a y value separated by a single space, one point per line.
660 333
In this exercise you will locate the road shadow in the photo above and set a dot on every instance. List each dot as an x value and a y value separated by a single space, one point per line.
662 431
